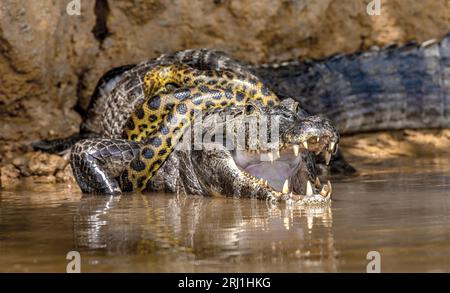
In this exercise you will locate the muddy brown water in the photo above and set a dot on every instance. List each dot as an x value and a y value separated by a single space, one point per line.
399 208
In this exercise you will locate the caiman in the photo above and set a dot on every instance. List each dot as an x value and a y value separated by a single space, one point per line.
391 88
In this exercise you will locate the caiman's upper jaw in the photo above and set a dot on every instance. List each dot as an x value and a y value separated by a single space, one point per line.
316 144
314 134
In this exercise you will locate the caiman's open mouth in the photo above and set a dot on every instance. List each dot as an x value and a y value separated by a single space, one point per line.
277 169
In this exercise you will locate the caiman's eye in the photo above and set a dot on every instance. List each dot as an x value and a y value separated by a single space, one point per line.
300 111
249 109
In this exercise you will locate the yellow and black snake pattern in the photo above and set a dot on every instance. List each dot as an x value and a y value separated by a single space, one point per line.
159 123
147 116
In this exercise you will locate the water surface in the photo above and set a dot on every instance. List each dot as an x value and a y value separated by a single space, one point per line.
400 209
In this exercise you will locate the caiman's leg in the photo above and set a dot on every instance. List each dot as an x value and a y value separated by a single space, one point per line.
96 163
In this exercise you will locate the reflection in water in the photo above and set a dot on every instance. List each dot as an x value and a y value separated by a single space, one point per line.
214 231
401 209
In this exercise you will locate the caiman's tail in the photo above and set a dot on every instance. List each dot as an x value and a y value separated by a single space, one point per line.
392 88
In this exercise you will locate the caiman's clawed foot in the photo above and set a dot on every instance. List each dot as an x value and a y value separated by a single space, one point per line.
96 163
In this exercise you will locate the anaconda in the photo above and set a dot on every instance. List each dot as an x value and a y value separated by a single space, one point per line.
172 112
163 118
147 116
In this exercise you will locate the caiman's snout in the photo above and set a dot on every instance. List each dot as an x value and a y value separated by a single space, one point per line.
283 170
314 134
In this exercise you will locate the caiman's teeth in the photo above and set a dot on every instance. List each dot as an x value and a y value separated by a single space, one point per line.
296 148
318 139
332 145
327 157
326 190
317 183
329 186
309 189
305 144
285 187
266 183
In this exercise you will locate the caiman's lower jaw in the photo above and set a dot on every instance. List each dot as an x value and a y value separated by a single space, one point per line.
275 170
